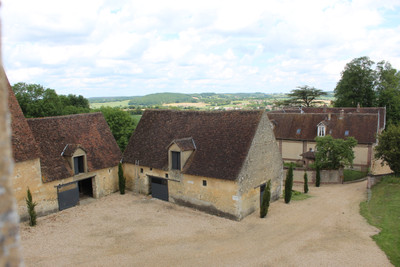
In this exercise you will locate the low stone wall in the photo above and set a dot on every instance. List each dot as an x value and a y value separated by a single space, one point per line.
374 179
327 176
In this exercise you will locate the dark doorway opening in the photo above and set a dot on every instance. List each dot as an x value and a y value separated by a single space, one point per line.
85 188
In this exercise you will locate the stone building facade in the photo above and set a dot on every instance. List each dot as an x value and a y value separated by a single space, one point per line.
296 130
61 159
217 162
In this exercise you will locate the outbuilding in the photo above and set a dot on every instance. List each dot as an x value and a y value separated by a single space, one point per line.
217 162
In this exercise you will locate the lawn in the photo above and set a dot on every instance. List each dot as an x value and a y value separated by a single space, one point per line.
352 175
383 211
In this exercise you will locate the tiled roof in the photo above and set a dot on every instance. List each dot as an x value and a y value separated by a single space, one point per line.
185 144
295 126
222 140
23 143
70 149
88 131
350 110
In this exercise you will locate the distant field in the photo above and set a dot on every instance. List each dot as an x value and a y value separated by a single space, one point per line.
197 105
122 103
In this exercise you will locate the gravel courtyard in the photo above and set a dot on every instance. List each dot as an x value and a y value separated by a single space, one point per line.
135 230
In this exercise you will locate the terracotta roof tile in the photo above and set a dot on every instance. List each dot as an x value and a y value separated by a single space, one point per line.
222 140
347 110
89 131
23 143
362 127
184 144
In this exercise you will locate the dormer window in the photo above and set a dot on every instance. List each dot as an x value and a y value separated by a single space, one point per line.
346 133
75 155
321 130
298 131
79 165
179 152
176 160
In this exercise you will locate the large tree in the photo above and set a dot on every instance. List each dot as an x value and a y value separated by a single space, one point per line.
388 148
36 101
388 91
121 124
305 96
356 85
334 153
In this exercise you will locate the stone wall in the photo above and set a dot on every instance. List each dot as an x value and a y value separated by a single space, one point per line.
263 163
9 232
27 174
327 176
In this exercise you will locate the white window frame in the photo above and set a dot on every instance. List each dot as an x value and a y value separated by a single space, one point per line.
321 130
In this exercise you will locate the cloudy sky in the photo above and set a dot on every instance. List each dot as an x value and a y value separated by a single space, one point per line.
124 48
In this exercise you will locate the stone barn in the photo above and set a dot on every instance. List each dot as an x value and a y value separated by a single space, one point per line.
217 162
61 159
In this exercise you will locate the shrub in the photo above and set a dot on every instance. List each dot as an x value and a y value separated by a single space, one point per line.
305 183
265 200
289 184
121 179
318 177
31 208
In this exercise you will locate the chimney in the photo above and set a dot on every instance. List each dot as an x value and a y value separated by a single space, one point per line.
341 115
358 107
325 108
329 116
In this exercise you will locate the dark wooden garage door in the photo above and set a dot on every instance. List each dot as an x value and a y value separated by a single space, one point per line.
68 195
159 188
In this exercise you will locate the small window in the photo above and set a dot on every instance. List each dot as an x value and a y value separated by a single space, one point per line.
176 160
151 169
346 133
321 130
79 166
166 175
204 182
141 170
298 131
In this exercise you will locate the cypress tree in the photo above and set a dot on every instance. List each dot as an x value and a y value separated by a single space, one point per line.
305 183
289 184
121 179
318 177
265 200
31 208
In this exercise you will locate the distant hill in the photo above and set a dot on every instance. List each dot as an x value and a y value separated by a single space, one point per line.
167 98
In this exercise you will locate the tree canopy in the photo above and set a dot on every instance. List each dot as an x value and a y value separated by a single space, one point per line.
362 84
388 148
356 85
36 101
121 124
305 96
388 91
334 153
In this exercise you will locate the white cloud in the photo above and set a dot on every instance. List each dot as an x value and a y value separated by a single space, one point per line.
108 47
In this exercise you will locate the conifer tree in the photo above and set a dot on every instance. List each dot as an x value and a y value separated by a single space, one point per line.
305 183
121 179
289 185
31 208
318 177
265 200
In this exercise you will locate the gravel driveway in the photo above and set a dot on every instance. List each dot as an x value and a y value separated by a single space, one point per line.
135 230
